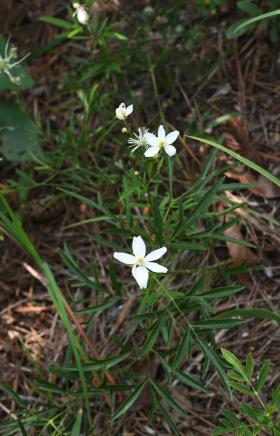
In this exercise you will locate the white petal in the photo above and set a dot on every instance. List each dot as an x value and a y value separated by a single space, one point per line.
171 137
141 275
161 132
129 109
82 15
128 259
120 114
138 247
156 267
151 139
170 150
151 151
156 254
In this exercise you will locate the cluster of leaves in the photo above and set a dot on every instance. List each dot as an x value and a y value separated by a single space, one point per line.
268 20
18 132
250 420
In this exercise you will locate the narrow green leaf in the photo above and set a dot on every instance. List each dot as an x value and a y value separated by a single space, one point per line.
276 397
190 381
250 411
169 420
12 394
76 430
56 22
261 17
198 211
221 292
262 375
182 349
100 364
240 158
214 359
99 308
217 324
167 398
151 339
130 400
231 417
253 313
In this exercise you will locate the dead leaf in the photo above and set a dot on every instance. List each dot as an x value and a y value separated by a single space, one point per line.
238 253
265 188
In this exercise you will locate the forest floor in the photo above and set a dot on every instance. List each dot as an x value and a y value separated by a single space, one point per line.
245 80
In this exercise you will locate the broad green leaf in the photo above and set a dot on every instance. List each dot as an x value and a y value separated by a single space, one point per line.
167 398
18 134
240 158
262 375
235 376
233 361
130 400
249 366
241 388
76 430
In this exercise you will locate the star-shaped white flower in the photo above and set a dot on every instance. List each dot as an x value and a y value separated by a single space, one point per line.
141 264
156 143
122 111
139 140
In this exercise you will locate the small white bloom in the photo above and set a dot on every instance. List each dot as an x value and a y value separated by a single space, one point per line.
142 263
81 12
7 62
139 140
160 141
122 111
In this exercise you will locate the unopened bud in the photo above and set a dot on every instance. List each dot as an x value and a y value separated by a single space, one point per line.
124 130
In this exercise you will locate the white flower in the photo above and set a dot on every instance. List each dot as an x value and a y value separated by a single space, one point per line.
7 62
140 262
81 12
122 111
139 140
156 143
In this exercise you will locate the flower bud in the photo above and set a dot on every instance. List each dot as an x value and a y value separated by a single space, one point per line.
81 12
